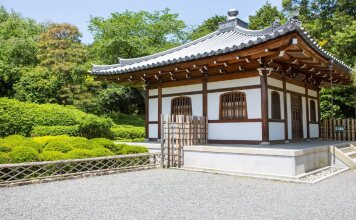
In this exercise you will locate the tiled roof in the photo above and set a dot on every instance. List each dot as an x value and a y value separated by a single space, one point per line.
230 37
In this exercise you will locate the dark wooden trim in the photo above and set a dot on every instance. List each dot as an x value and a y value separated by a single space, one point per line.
242 120
234 88
273 106
159 110
153 97
313 122
152 139
153 122
205 96
183 99
307 110
285 107
264 107
291 92
319 114
146 112
276 120
182 94
220 105
277 141
253 142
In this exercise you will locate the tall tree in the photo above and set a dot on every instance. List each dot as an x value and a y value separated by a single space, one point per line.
265 16
135 34
208 26
18 36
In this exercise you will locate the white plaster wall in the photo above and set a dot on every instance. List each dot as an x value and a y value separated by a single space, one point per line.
197 104
304 117
253 99
180 89
153 130
275 82
153 92
276 130
312 93
153 110
289 115
281 100
234 83
314 130
235 131
295 88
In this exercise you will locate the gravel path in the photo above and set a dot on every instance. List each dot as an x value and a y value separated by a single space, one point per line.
162 194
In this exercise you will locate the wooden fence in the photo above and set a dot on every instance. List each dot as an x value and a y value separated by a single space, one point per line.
338 129
24 173
178 131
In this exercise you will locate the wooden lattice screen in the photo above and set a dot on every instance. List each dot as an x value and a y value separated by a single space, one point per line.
178 131
233 105
338 129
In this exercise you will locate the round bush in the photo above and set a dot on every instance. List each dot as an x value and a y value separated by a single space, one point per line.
79 153
55 130
4 158
81 142
102 152
21 154
103 142
92 126
45 139
5 148
51 155
18 140
128 132
58 145
127 149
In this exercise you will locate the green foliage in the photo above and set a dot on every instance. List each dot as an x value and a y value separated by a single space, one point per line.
79 153
4 158
128 132
92 126
135 34
51 155
102 152
18 140
265 16
132 150
55 130
123 119
102 142
21 154
63 146
5 148
208 26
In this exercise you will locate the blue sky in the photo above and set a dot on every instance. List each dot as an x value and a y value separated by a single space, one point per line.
78 12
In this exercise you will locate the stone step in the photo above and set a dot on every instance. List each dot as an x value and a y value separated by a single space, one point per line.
351 154
347 149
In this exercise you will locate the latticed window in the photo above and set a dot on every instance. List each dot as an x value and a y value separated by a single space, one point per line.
233 106
312 111
181 106
276 105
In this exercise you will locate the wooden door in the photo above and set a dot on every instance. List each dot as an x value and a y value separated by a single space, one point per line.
297 128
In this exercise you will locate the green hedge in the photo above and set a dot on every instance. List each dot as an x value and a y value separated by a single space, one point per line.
22 118
55 130
128 132
17 148
123 119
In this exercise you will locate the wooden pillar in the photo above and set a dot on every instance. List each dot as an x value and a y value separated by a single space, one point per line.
205 96
146 110
307 109
159 109
264 106
319 114
285 106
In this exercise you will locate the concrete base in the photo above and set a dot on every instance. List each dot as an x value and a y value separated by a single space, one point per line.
287 160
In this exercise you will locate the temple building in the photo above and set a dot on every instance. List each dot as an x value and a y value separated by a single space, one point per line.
254 86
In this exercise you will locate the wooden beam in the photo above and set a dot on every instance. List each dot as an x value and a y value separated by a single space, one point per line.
307 110
285 107
205 96
159 109
264 107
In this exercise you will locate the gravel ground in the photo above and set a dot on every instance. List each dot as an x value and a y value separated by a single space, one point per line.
162 194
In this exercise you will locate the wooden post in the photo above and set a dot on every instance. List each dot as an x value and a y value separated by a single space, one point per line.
159 109
286 138
319 114
146 111
205 96
264 105
307 110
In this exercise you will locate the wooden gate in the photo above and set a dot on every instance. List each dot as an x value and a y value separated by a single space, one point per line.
178 131
338 129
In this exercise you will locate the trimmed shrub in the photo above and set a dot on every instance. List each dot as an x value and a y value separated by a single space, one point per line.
55 130
18 140
128 132
58 145
133 150
92 126
51 155
79 153
123 119
131 140
81 142
102 152
4 158
21 154
5 149
102 142
45 139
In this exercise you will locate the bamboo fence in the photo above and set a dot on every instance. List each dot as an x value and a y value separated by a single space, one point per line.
24 173
338 129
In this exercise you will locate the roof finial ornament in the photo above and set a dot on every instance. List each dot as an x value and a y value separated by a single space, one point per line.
276 23
232 14
294 21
